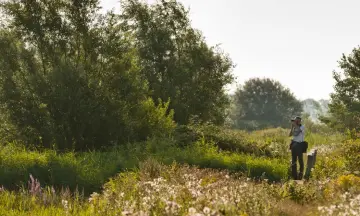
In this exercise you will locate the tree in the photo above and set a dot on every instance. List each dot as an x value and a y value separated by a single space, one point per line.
177 62
312 109
70 77
262 103
344 106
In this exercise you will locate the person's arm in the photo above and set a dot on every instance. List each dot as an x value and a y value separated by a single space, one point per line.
291 130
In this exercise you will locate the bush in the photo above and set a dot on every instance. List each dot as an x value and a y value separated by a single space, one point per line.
351 154
269 143
348 183
330 166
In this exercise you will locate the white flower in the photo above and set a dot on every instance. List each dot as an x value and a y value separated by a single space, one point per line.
64 203
206 210
125 213
192 210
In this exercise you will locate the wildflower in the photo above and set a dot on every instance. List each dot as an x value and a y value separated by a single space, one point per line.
65 204
125 213
93 197
192 210
34 186
206 210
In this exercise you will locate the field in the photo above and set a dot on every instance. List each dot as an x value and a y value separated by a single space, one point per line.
220 172
128 113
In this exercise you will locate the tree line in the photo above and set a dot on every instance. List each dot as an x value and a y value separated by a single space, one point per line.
77 78
74 78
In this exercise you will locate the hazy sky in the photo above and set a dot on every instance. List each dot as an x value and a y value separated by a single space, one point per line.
295 42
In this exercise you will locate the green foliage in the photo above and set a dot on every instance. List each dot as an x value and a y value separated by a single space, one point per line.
181 190
71 78
160 182
74 78
345 101
264 103
177 62
86 171
178 190
301 194
89 170
269 142
351 155
330 166
261 143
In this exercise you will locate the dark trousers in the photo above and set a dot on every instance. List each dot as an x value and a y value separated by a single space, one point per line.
297 154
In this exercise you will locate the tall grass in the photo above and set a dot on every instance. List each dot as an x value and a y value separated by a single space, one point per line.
88 171
144 183
156 189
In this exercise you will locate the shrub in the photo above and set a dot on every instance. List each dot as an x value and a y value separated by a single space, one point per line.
351 154
271 143
299 193
330 166
348 183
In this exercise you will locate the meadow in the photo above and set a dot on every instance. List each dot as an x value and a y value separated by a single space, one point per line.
199 170
105 114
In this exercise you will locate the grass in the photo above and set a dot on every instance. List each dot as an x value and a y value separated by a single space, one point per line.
122 179
156 189
272 142
90 170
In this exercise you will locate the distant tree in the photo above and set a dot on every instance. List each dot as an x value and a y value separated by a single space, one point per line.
312 109
176 60
262 103
344 106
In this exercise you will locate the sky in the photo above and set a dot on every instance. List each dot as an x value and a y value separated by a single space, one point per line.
295 42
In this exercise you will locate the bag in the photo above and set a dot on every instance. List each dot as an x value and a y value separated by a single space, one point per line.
305 146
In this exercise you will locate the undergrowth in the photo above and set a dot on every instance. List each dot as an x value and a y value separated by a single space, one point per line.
89 170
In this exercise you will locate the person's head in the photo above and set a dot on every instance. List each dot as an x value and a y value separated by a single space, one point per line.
296 120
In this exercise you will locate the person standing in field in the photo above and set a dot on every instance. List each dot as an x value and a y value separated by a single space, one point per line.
298 134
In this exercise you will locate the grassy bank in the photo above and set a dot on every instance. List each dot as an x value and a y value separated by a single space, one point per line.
156 189
90 170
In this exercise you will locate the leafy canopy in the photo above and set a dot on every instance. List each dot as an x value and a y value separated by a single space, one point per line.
344 107
71 77
76 78
176 60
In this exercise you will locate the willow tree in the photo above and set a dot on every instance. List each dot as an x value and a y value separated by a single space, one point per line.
176 60
70 77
